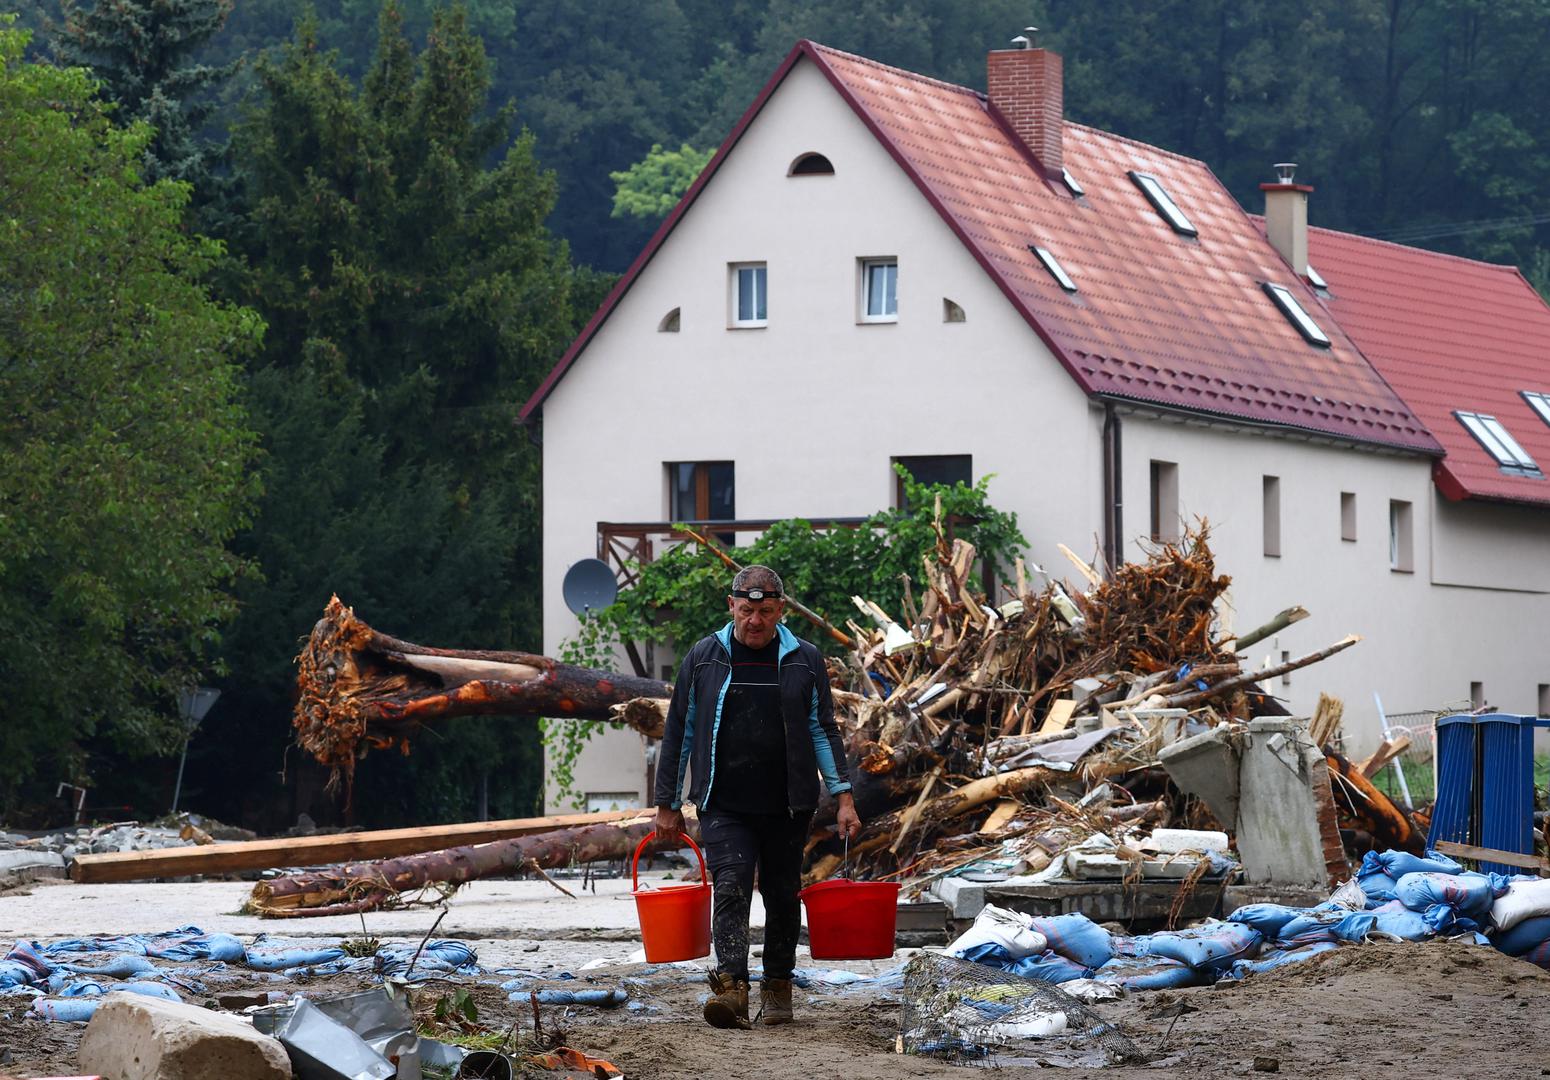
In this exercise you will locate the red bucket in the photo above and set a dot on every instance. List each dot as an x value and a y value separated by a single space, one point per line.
674 919
851 920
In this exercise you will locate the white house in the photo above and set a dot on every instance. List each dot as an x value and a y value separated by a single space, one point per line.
877 265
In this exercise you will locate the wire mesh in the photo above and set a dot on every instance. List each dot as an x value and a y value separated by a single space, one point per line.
973 1014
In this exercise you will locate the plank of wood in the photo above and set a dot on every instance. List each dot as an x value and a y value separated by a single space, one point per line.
1005 810
1059 716
313 850
1387 751
1485 854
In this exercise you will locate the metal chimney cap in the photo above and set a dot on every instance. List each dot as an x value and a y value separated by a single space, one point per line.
1285 171
1020 42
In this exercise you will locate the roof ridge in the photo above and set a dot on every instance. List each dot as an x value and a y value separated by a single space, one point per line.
1115 136
1505 268
906 72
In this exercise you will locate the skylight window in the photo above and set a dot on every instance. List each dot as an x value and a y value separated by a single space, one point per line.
1155 194
1540 403
1076 188
1499 443
1296 315
1316 280
1052 264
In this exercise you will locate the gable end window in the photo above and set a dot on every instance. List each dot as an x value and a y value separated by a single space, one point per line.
811 164
1499 443
750 300
932 469
879 290
1163 203
701 491
1297 315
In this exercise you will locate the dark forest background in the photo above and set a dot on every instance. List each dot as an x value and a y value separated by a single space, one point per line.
419 202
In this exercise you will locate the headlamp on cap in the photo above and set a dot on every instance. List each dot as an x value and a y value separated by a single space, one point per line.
757 594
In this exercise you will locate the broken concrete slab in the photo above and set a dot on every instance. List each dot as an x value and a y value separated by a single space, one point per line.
23 866
142 1038
1278 823
964 899
1206 765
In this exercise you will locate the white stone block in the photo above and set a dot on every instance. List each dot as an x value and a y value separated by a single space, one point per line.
139 1038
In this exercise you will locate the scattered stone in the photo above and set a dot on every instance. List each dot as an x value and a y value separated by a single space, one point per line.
141 1038
1267 1064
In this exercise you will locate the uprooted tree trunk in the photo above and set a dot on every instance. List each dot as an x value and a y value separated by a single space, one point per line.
360 689
360 887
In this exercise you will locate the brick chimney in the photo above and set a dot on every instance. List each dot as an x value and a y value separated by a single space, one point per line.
1286 216
1026 90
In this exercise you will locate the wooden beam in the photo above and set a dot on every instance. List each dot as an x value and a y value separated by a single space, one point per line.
1485 854
314 850
1387 751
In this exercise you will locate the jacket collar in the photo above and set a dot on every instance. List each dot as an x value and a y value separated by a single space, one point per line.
788 640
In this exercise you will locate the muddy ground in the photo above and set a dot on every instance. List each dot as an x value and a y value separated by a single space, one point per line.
1423 1011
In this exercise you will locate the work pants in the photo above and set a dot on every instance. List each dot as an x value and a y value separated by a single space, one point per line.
736 844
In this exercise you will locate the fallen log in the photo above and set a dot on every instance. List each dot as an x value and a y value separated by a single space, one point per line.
312 850
1182 701
1371 810
1274 626
361 887
360 689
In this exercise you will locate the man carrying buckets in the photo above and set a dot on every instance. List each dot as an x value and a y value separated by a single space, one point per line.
752 722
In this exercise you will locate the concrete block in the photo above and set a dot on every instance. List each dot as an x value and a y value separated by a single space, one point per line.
1278 825
964 899
140 1038
22 865
1206 765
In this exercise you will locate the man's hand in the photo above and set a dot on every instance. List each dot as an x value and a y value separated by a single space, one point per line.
670 826
846 821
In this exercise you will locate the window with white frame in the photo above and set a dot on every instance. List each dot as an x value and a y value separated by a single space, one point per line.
1539 402
1499 443
879 290
1401 537
750 295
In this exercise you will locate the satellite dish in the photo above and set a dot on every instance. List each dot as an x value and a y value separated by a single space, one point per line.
589 586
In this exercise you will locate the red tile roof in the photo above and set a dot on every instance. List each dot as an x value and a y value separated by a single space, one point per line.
1158 318
1447 333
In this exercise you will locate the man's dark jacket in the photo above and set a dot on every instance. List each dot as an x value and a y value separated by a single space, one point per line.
813 744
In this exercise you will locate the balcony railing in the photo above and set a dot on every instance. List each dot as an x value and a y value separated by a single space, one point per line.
626 546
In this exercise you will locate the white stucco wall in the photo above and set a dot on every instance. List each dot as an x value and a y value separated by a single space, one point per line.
1423 642
812 408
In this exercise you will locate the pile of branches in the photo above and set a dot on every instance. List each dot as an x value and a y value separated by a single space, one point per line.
976 731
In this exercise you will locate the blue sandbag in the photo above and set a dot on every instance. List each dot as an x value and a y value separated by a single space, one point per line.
119 967
1150 973
97 988
603 998
1396 864
1328 925
1049 967
1396 919
1279 958
1539 955
70 1010
198 946
286 958
16 973
1469 894
1266 918
1209 947
442 955
1376 885
1525 936
1076 937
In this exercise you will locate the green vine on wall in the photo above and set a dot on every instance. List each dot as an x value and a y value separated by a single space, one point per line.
680 597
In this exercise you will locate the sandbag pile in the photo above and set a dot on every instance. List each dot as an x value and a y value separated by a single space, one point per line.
1396 896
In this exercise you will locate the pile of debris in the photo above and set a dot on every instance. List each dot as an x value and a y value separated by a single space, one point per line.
978 734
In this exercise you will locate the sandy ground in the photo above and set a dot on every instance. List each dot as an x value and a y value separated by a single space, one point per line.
1421 1011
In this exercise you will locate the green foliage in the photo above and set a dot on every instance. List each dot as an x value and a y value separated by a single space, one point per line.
142 51
681 596
651 187
394 240
124 452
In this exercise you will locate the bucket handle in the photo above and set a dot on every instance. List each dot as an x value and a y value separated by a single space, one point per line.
635 865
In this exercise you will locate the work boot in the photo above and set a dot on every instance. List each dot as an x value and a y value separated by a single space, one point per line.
728 1004
775 1001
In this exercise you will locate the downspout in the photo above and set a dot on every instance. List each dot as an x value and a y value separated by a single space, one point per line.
1113 490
